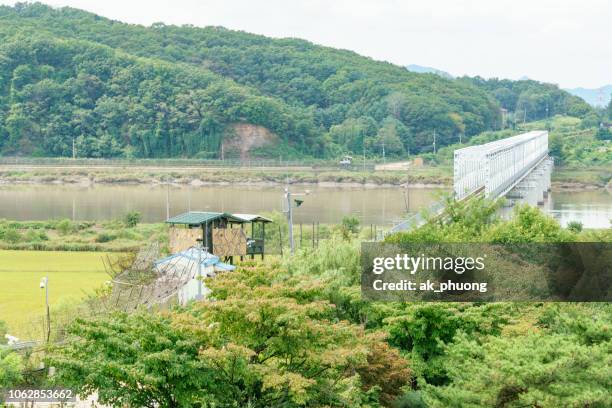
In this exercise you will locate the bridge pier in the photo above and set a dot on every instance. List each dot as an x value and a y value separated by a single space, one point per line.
534 187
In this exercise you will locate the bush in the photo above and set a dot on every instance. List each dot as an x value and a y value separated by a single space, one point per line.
574 226
537 369
350 224
65 226
11 368
36 235
412 399
132 218
105 237
10 235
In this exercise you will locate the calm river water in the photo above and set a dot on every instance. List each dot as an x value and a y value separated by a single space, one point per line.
382 206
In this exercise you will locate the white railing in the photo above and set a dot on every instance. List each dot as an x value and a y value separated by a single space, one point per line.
499 165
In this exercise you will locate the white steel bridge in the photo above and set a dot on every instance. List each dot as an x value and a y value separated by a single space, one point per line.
517 167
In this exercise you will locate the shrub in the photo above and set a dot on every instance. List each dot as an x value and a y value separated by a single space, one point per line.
537 369
36 235
65 226
105 237
11 368
10 235
132 218
350 224
574 226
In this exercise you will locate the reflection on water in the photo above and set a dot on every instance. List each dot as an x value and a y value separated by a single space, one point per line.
592 208
323 204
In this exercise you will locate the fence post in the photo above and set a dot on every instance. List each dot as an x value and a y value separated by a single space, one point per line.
313 234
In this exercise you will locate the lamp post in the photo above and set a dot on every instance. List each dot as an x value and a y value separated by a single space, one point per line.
44 284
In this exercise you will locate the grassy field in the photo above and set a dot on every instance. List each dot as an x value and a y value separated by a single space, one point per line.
22 301
67 235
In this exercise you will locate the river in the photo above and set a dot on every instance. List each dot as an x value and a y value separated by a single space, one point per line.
376 205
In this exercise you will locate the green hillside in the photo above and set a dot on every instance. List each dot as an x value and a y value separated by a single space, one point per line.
166 91
529 100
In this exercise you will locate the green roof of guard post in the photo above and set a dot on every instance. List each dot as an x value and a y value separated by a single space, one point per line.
201 217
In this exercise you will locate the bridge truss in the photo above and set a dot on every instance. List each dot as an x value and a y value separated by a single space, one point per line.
496 167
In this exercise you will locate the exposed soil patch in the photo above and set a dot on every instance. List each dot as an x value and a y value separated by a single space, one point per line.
244 138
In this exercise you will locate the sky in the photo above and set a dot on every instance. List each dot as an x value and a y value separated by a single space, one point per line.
566 42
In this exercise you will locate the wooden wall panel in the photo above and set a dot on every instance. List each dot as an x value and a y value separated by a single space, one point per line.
229 242
183 238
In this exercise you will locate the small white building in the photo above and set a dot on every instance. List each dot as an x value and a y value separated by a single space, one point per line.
187 270
177 278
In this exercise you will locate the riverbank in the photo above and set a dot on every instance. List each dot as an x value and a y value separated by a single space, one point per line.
435 176
427 176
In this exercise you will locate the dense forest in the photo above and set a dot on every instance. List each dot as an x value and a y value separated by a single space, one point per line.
72 79
530 100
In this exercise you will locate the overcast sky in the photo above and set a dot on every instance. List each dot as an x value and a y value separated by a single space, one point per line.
568 42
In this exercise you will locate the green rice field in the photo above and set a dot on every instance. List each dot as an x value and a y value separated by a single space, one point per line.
22 302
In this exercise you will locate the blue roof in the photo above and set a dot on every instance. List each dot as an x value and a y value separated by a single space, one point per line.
194 254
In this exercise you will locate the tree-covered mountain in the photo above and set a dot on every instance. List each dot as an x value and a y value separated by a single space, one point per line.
530 100
164 91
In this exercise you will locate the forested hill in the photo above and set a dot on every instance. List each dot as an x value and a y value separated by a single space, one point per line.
529 100
164 91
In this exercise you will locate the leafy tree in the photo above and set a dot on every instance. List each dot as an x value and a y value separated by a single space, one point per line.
11 368
350 225
529 224
136 360
262 346
532 370
132 218
574 226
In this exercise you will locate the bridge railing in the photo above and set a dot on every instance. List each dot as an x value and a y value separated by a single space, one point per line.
506 165
497 165
469 173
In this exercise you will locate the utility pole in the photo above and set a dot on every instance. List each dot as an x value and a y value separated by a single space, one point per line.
44 284
363 145
434 142
289 217
383 148
167 200
73 148
289 212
